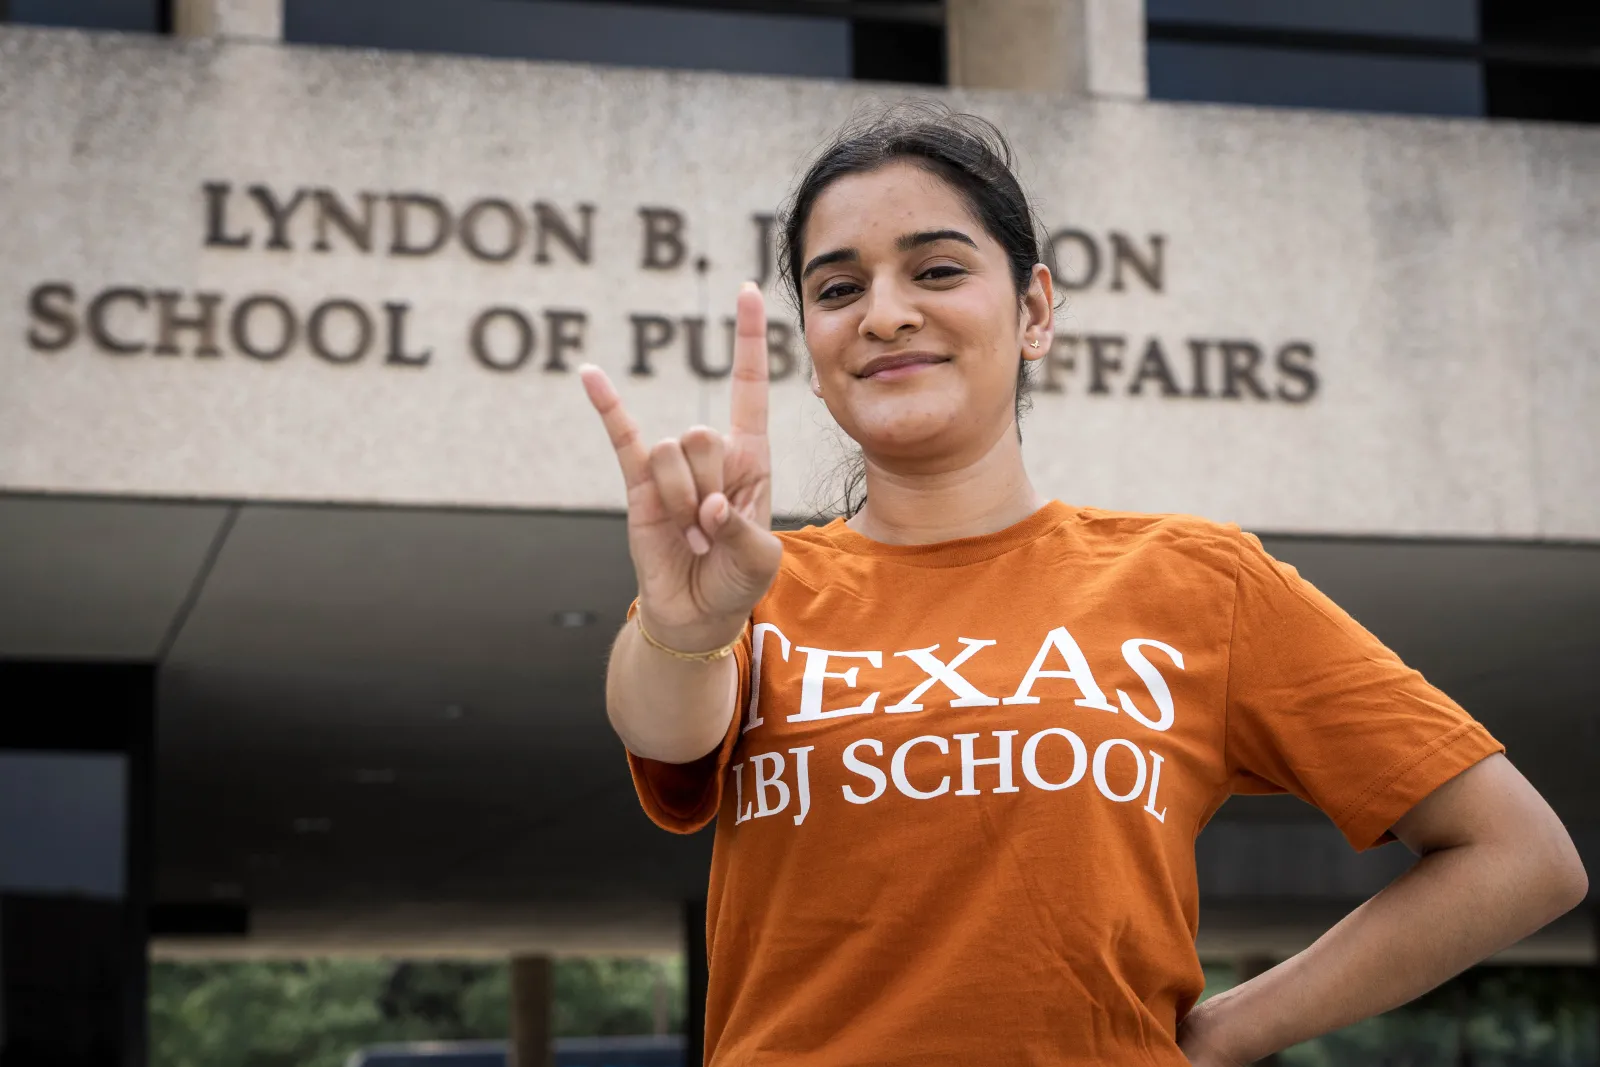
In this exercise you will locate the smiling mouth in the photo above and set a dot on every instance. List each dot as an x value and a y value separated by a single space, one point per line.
885 364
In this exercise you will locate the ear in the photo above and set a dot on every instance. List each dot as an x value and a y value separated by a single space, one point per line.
1038 314
816 385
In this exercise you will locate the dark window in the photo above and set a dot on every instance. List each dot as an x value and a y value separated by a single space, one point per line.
76 747
585 31
1554 94
143 16
1349 55
900 51
1343 81
1449 19
1544 59
1526 59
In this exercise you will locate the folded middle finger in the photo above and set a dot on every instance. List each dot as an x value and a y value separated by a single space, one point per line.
702 447
674 481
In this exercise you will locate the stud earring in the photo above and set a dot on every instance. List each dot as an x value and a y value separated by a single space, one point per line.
1033 344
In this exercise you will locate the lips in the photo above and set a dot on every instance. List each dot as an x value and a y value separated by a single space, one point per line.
884 364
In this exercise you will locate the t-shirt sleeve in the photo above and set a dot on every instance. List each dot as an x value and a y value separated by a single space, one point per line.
1319 707
685 797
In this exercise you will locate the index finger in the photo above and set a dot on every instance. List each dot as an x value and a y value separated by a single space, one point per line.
620 427
750 363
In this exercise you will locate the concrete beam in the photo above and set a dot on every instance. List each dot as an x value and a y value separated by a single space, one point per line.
1229 930
1391 369
260 20
1087 48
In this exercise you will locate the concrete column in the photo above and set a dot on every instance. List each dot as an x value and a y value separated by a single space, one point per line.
532 989
699 975
1089 48
260 20
2 899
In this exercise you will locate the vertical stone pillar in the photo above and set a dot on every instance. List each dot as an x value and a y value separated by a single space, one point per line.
697 978
260 20
532 990
1086 48
660 1007
2 896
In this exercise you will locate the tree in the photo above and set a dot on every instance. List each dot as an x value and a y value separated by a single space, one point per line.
315 1012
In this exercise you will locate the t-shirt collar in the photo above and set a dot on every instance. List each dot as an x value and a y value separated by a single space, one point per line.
953 553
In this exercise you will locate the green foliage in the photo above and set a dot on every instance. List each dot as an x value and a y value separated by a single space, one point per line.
314 1013
1487 1017
302 1014
608 997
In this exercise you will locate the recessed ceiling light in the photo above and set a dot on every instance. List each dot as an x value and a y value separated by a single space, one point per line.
571 620
313 824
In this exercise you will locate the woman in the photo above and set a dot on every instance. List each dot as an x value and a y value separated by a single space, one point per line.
959 744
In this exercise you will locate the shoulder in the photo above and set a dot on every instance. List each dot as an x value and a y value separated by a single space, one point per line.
812 556
1134 530
813 539
1223 549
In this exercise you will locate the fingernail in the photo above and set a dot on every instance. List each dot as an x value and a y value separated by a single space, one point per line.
750 287
697 541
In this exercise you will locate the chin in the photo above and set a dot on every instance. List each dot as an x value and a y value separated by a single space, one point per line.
917 431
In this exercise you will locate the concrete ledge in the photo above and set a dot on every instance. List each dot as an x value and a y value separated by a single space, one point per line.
1300 322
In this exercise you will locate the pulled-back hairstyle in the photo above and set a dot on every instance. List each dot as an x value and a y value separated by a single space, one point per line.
972 156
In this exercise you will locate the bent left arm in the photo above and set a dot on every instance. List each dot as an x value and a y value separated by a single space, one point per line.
1496 865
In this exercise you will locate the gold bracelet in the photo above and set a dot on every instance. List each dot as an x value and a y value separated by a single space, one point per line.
692 657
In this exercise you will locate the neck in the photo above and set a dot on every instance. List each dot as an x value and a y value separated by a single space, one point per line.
913 506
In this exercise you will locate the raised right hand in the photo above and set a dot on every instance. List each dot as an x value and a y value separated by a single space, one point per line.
700 505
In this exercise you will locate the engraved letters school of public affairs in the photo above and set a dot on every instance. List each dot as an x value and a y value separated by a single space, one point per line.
142 318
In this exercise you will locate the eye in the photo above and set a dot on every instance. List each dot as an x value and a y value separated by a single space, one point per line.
942 272
838 291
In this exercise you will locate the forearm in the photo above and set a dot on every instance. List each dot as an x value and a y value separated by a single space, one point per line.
666 708
1452 909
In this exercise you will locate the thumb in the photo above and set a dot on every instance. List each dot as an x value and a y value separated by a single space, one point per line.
723 523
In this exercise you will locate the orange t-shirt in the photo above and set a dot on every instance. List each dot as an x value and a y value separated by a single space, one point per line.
957 806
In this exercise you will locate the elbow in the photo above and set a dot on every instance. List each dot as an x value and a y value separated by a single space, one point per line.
1555 870
1561 875
680 746
1542 871
1571 881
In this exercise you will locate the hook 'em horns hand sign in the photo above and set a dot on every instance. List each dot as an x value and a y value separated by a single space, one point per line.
700 505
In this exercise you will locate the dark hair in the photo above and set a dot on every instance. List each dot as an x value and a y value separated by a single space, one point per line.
967 152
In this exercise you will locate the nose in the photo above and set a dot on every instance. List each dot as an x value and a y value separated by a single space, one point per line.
890 309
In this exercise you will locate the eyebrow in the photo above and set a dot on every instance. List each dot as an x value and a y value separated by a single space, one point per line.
928 237
838 255
904 244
